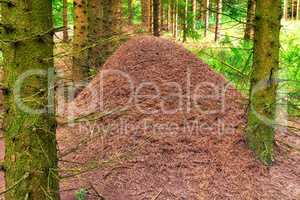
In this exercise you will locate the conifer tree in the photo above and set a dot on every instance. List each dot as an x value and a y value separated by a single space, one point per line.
30 165
261 113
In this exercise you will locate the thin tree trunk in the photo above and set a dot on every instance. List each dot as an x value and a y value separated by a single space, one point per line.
194 7
65 21
185 21
172 10
218 19
130 12
176 20
161 6
206 17
261 113
293 13
285 10
30 165
168 13
148 6
143 5
80 66
249 31
156 18
298 8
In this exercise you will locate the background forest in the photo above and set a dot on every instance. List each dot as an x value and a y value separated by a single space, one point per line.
232 54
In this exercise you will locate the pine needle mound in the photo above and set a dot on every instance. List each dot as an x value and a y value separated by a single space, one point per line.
158 123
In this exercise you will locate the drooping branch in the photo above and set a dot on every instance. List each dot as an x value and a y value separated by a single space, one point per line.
8 2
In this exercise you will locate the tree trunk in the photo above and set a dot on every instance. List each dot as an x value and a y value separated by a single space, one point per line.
171 21
130 12
292 8
143 5
111 27
185 21
161 6
194 10
104 25
249 31
285 10
298 8
94 35
30 142
261 113
206 17
218 19
150 16
175 33
156 18
80 39
65 21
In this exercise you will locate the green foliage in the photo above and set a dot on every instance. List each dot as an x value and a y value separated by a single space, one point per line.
290 65
136 9
57 10
81 194
233 60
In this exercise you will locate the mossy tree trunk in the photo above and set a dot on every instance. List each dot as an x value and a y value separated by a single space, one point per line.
30 141
249 31
156 18
94 33
261 113
218 20
80 68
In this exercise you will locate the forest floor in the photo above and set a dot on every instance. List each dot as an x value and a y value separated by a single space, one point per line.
160 124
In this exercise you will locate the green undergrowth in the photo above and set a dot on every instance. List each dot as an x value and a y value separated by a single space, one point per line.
232 57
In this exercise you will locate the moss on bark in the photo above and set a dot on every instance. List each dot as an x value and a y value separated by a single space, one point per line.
30 140
261 114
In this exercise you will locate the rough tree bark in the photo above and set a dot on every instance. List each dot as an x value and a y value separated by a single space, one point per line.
156 18
80 66
94 33
261 112
111 27
218 19
30 141
249 30
104 18
65 21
